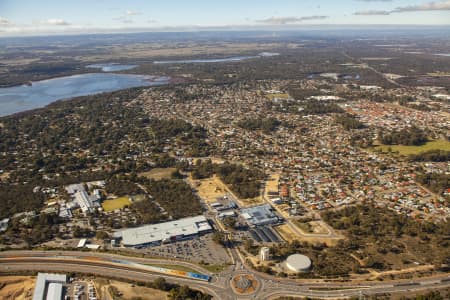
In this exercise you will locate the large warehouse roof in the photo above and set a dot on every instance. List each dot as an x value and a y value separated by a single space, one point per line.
54 291
164 231
44 280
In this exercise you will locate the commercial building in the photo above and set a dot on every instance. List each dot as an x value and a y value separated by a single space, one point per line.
82 243
54 291
298 263
225 214
82 199
260 215
164 232
49 286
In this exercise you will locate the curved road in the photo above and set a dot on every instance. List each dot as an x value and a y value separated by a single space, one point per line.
219 287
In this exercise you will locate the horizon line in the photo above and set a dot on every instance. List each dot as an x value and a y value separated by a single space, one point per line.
230 28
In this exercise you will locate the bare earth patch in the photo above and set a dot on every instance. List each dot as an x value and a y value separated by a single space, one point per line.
289 235
16 287
159 173
129 291
209 189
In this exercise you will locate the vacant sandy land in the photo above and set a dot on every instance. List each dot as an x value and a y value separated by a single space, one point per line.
289 235
312 227
212 188
16 287
159 173
128 290
209 189
251 202
272 184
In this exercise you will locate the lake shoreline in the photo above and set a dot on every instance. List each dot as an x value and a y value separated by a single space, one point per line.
44 92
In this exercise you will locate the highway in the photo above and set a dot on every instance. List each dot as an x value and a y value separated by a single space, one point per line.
268 288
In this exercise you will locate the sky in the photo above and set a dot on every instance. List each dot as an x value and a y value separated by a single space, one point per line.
29 17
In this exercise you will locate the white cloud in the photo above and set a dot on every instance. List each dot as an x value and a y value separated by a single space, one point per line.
4 22
372 13
289 20
430 6
132 13
127 16
55 22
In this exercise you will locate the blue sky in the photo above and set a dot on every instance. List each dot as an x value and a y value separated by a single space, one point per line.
56 16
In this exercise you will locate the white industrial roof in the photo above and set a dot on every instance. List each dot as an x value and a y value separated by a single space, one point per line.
73 188
93 246
42 280
164 231
54 291
82 243
259 215
83 200
227 214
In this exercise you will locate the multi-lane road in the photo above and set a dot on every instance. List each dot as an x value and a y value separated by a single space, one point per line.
219 287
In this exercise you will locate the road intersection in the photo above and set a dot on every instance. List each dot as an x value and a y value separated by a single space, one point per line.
269 287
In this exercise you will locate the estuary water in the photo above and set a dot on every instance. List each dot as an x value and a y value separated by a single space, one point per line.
40 93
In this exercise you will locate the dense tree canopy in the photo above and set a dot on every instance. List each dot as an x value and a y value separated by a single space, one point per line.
243 181
267 125
413 136
349 122
175 196
432 155
19 198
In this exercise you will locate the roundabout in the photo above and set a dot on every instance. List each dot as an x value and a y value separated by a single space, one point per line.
244 284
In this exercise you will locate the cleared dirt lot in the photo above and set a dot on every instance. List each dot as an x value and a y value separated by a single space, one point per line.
289 235
272 184
212 188
312 227
209 189
127 290
159 173
16 287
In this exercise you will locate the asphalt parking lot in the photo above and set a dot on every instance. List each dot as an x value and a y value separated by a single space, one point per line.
196 250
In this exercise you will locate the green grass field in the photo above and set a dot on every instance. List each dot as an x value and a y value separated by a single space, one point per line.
110 205
410 150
